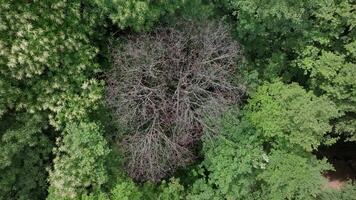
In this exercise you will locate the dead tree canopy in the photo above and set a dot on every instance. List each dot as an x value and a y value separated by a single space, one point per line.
164 86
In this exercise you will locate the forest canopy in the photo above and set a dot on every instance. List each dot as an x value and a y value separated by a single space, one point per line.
170 100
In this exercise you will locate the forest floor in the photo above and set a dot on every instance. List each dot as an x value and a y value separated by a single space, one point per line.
343 158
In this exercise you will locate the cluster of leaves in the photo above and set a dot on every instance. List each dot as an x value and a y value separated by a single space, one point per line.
287 114
24 155
137 14
308 41
126 189
266 153
46 69
80 160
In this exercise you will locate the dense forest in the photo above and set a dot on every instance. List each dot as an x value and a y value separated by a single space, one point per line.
177 99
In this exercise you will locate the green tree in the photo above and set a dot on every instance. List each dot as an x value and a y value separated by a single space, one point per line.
141 15
329 59
293 176
240 164
126 190
46 59
171 190
24 156
289 115
309 41
332 74
137 14
265 151
232 161
80 161
47 66
272 31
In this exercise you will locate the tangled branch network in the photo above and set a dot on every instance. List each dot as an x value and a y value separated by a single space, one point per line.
167 86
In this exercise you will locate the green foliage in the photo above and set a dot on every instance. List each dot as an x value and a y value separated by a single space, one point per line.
287 114
46 69
80 161
333 74
192 10
46 59
240 162
263 27
126 191
315 37
201 190
172 190
293 176
136 14
24 155
232 161
140 15
330 60
95 196
50 87
234 158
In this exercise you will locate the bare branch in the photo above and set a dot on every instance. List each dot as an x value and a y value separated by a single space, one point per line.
164 85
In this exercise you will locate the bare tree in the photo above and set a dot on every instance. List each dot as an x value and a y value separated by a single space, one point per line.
166 85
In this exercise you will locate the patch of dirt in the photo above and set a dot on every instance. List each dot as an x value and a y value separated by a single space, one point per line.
343 157
335 184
